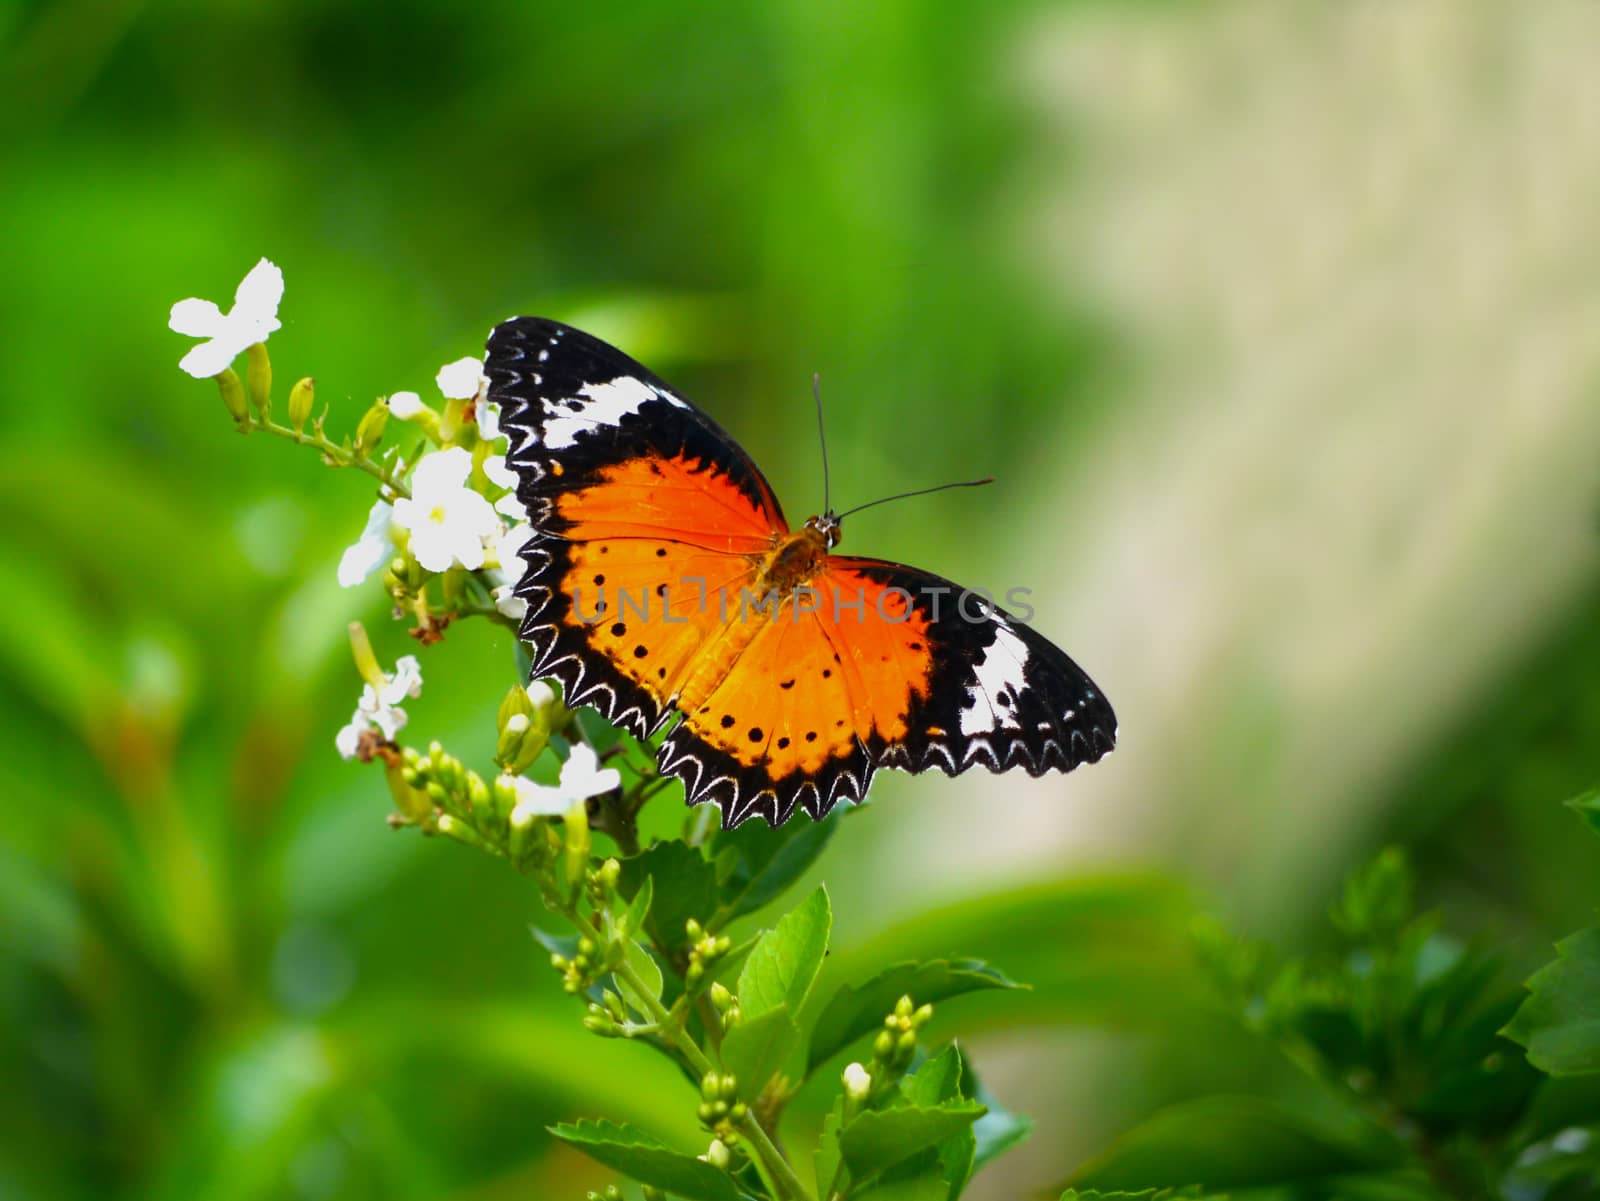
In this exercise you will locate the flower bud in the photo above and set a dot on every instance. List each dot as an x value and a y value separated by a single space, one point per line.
694 930
233 395
717 1154
577 827
903 1007
883 1046
709 1086
857 1083
371 426
258 378
301 398
721 998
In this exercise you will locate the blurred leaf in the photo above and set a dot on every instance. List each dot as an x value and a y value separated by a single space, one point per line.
1147 1194
997 1131
876 1140
648 1161
854 1011
1559 1023
765 861
785 960
1111 949
684 886
1587 807
756 1048
1227 1143
1377 899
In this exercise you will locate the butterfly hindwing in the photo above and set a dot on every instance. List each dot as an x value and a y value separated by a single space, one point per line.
996 692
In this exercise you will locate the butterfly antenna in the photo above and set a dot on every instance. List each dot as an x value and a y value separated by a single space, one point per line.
816 392
883 500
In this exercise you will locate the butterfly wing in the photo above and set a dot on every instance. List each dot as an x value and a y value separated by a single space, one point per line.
995 691
881 665
635 496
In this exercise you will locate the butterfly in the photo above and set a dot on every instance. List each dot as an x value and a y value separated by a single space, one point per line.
664 583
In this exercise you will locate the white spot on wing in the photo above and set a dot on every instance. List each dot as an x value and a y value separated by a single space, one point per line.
607 405
1000 670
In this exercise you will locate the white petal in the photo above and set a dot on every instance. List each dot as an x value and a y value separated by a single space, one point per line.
540 799
258 295
406 681
475 513
507 548
348 738
500 475
488 420
195 317
511 507
459 380
431 547
541 694
405 405
209 358
509 603
579 777
390 719
371 550
442 471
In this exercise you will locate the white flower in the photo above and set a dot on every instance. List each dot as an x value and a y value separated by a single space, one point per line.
253 316
488 420
506 577
459 380
371 551
448 520
405 405
379 708
581 778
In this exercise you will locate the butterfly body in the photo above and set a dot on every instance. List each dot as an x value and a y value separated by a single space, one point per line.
664 583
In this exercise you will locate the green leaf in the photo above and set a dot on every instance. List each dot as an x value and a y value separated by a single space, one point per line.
766 861
648 971
929 1185
854 1011
684 886
1559 1023
756 1048
638 1155
786 959
939 1079
1227 1143
1587 807
874 1141
639 909
827 1157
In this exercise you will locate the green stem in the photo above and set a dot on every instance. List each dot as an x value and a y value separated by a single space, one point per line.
784 1183
338 454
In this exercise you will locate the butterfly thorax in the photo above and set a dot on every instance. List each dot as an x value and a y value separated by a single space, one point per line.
795 559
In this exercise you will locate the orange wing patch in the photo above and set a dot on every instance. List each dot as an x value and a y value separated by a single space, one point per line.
820 681
656 497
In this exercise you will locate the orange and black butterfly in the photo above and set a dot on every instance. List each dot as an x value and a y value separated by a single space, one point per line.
663 581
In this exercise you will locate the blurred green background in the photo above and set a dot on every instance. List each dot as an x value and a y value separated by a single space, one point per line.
1279 324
